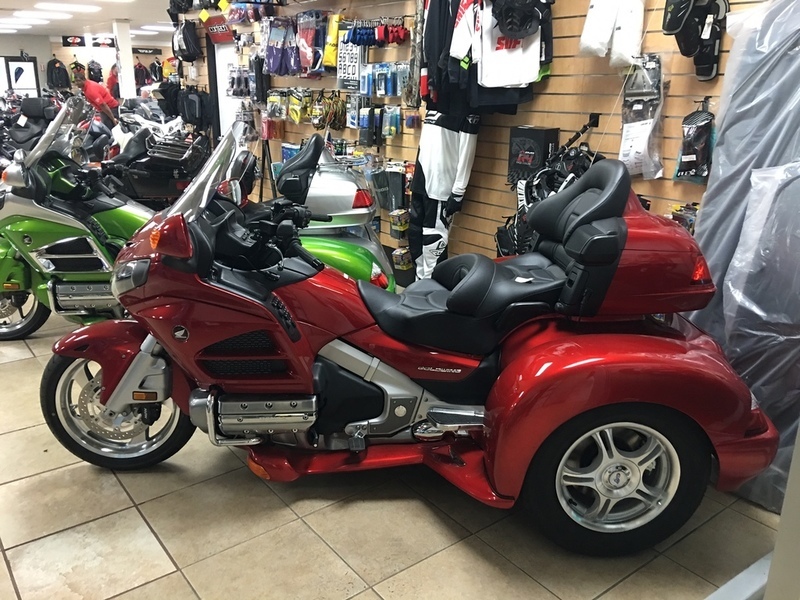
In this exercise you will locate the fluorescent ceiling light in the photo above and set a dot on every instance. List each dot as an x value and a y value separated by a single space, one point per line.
143 32
3 30
72 8
16 21
36 14
158 27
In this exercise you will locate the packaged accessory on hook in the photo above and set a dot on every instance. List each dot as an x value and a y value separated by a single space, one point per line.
642 118
697 26
694 162
392 122
331 41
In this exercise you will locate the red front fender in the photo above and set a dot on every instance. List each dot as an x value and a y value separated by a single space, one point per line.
542 389
113 345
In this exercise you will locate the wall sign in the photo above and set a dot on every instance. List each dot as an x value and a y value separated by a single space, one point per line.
139 50
71 41
103 42
349 60
218 30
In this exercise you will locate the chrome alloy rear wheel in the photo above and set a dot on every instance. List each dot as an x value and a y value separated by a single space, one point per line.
618 477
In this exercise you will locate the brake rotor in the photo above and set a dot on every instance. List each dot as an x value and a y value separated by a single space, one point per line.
7 308
91 412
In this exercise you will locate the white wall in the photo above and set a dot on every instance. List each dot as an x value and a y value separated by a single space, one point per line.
34 45
227 105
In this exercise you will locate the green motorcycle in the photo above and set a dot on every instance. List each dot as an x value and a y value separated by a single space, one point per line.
61 228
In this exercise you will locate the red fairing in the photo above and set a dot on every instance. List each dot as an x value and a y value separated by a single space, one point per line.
656 269
545 384
330 301
111 344
467 473
414 361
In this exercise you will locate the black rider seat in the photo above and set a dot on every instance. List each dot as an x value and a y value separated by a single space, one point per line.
294 180
135 147
472 302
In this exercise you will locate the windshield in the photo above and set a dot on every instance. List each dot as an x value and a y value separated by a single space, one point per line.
216 170
71 113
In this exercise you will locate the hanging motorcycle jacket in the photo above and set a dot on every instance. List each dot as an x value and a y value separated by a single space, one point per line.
57 74
156 71
94 71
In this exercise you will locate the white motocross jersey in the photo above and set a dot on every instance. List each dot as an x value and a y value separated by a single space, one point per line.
502 61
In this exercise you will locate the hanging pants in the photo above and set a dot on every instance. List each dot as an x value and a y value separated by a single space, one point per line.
428 233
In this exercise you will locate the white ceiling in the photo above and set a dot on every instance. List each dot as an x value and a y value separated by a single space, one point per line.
138 12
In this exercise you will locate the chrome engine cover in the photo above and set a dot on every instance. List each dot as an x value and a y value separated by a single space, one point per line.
81 298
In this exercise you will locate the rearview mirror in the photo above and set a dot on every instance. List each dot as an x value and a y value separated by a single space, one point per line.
232 190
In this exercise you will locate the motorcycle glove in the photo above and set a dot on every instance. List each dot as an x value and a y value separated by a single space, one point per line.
453 205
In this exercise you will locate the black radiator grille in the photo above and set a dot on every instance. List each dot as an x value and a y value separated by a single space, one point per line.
253 341
243 368
75 246
80 265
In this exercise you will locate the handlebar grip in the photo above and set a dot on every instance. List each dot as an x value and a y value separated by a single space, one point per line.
296 248
325 218
104 188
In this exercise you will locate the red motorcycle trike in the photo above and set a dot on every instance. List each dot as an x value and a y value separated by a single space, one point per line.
563 377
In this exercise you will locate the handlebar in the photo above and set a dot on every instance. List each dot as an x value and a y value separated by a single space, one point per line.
100 185
296 249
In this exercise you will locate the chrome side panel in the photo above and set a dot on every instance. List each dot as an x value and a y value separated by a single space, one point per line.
25 207
405 402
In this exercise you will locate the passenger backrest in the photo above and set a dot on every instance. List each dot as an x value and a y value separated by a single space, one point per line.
581 230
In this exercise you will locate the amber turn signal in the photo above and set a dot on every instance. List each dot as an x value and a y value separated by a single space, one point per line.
10 286
155 235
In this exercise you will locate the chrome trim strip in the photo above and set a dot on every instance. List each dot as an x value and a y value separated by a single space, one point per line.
40 254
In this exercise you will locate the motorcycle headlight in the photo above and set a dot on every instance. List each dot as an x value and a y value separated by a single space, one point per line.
129 275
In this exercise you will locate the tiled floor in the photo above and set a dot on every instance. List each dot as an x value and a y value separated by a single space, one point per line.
201 525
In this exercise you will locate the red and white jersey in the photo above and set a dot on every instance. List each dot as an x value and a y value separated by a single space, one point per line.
502 61
467 28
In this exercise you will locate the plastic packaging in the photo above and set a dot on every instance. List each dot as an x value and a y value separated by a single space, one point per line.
694 160
761 303
598 28
331 41
617 24
626 44
642 118
758 127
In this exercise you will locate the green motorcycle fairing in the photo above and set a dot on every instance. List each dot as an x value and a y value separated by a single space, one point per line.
62 183
348 258
21 237
124 221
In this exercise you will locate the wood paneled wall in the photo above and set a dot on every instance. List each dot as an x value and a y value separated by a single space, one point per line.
577 87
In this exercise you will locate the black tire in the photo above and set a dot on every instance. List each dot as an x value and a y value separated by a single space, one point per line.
55 370
541 498
39 317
